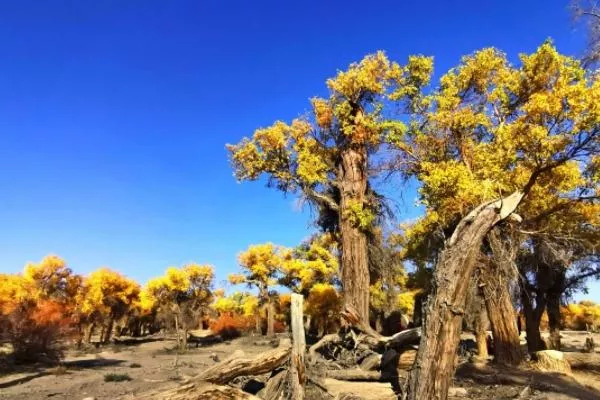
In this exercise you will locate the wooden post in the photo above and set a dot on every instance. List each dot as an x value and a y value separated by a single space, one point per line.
297 367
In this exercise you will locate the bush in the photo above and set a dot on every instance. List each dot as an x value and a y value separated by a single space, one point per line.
135 365
116 378
34 331
230 326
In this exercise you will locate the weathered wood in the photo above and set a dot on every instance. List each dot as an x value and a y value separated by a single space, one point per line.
325 340
583 360
197 391
397 341
552 361
297 366
371 362
435 364
234 367
275 387
353 375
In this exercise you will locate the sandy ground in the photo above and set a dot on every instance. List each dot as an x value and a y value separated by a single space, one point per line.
154 364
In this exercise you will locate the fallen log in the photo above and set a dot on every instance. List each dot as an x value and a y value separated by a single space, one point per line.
235 366
197 391
325 340
353 375
583 360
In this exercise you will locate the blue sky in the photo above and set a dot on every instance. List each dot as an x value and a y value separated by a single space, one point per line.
114 114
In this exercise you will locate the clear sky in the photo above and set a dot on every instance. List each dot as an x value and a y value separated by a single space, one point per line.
114 114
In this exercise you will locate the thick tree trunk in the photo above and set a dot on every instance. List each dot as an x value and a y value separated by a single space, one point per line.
502 316
533 317
553 308
355 265
270 318
553 305
434 367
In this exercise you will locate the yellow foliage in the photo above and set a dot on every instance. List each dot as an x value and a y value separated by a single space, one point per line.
323 301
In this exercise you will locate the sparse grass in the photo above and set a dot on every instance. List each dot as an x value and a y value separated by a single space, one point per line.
116 377
135 365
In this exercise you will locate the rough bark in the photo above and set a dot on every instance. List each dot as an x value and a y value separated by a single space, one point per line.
481 324
355 265
435 364
502 316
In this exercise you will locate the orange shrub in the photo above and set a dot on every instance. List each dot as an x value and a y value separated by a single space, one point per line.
230 325
34 331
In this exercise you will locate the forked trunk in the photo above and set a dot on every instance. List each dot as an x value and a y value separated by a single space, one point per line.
355 266
503 318
435 363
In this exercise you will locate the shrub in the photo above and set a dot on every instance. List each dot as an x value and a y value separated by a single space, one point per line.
116 378
135 365
34 331
230 326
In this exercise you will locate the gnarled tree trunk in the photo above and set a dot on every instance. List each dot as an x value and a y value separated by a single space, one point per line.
355 265
502 316
435 363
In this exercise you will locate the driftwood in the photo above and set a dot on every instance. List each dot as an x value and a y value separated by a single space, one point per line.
234 366
275 387
197 391
207 385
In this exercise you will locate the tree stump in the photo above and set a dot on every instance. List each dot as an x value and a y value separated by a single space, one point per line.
552 361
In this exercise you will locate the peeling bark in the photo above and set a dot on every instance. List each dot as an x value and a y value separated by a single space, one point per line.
434 367
355 263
